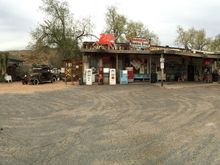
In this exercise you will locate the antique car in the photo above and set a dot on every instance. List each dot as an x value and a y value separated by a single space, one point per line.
40 74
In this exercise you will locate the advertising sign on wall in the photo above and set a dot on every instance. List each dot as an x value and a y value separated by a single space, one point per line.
139 43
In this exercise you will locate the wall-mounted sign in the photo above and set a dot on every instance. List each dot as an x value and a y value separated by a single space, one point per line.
105 70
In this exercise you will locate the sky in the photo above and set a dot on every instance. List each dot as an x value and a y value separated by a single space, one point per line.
19 17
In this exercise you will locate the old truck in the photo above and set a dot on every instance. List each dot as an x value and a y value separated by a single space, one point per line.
40 74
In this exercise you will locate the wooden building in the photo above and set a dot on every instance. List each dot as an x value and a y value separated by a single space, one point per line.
180 64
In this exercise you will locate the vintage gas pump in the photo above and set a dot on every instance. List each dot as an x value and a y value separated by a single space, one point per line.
100 72
112 76
88 76
100 78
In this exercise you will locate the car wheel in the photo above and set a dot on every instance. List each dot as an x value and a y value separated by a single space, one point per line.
53 80
35 82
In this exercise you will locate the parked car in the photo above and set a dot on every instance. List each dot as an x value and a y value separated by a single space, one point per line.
39 75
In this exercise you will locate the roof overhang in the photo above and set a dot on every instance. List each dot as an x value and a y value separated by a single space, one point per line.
149 52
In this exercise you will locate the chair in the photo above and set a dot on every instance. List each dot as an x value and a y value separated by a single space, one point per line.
8 78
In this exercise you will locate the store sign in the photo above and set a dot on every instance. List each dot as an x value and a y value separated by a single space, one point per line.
139 43
162 60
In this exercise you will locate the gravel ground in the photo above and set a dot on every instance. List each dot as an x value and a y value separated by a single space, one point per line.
98 125
17 87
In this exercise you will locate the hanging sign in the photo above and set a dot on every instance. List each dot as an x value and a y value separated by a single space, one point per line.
162 65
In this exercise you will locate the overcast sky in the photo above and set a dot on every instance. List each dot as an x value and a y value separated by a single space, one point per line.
19 17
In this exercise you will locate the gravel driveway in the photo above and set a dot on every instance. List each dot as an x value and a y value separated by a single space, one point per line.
130 124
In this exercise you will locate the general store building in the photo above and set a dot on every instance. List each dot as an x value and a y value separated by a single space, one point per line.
179 65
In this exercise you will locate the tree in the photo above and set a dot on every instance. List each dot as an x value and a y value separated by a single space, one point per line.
192 39
118 24
215 44
137 29
59 30
115 22
3 63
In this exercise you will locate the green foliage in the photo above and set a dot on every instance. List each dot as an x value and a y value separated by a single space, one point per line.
215 44
23 70
138 29
59 30
192 38
2 79
55 61
34 65
3 62
118 24
115 22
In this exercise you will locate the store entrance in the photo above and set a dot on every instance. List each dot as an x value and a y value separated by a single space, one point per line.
191 72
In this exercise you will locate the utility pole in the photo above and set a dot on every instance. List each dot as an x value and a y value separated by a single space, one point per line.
162 60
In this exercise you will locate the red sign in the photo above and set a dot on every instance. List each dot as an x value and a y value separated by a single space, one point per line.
106 39
206 62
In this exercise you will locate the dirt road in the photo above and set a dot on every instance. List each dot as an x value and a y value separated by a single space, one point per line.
134 124
17 87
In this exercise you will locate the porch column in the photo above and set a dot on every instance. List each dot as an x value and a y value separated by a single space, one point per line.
116 61
162 60
117 71
150 67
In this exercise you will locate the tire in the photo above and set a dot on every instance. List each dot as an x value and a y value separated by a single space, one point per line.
35 82
53 80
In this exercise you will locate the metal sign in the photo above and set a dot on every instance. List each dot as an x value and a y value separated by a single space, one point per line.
139 43
68 72
162 60
161 65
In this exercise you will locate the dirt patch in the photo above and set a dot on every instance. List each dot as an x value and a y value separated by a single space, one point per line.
122 124
17 87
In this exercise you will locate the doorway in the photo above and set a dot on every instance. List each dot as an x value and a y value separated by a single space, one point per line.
191 72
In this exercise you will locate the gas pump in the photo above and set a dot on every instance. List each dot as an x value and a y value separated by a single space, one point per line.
112 77
106 75
88 76
100 78
123 77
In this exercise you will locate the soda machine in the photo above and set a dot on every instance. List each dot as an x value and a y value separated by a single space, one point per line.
123 77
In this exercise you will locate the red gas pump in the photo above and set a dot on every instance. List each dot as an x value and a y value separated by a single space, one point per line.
100 79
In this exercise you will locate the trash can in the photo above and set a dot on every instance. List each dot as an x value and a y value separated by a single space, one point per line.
153 78
80 81
215 76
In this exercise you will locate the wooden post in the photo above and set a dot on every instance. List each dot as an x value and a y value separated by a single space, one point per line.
72 72
150 67
162 68
117 71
